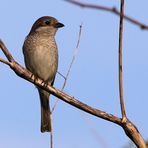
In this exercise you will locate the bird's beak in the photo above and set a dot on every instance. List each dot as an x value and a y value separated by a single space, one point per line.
59 25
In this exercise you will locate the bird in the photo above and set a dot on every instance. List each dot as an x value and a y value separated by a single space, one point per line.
41 58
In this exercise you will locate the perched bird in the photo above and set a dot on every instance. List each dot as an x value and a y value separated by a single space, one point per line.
41 58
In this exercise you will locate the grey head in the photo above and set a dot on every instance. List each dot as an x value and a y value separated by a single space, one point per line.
46 25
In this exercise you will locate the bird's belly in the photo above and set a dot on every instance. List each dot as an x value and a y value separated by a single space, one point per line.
44 62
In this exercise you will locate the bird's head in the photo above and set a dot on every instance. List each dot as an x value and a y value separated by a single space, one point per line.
46 25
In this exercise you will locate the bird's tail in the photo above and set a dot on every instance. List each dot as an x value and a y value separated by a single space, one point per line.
45 111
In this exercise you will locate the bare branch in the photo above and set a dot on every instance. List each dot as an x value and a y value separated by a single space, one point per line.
133 133
120 62
129 128
27 75
113 10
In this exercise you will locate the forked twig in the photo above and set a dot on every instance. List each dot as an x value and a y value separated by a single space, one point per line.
74 56
61 75
70 66
4 61
131 129
65 81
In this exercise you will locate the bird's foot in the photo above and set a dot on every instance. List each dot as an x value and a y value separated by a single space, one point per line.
34 77
45 83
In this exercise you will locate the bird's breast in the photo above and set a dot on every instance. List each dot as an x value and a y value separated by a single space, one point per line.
41 56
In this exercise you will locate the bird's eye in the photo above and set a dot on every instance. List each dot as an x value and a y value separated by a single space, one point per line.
47 22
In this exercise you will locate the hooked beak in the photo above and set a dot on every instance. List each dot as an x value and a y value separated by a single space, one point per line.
59 25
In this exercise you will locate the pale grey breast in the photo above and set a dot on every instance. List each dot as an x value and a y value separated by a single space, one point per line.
41 56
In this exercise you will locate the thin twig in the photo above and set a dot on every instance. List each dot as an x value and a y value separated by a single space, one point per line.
61 75
93 130
51 133
6 52
113 10
4 61
70 67
120 61
74 57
